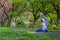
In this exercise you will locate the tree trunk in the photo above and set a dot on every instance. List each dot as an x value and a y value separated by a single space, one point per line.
34 22
2 20
9 21
58 18
2 24
51 21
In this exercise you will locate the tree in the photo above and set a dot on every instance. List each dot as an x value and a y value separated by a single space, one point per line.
34 7
56 6
16 8
5 9
38 6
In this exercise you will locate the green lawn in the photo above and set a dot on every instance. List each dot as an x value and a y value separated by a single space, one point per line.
7 33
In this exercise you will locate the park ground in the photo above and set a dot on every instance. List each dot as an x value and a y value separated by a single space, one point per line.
7 33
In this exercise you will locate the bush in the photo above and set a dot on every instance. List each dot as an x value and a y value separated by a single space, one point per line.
38 25
20 23
52 27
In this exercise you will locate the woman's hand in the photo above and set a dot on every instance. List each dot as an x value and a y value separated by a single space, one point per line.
41 13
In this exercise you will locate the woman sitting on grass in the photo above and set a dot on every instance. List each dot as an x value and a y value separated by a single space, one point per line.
44 24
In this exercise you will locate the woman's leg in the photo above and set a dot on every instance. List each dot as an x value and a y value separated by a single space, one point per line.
40 30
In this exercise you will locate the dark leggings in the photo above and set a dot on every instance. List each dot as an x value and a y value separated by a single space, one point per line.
40 30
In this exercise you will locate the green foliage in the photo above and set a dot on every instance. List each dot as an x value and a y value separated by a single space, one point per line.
18 2
18 7
35 7
20 23
38 24
52 16
53 27
14 13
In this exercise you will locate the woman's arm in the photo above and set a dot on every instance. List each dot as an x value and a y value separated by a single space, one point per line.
42 15
46 20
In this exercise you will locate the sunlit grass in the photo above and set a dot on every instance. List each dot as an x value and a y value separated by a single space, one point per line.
7 33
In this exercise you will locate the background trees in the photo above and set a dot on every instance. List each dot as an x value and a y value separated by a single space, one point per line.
51 9
56 6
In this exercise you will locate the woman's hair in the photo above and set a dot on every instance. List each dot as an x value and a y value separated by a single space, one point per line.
43 20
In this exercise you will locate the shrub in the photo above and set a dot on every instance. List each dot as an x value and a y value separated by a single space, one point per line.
20 23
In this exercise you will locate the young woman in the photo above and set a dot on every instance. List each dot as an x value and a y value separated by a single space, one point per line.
44 24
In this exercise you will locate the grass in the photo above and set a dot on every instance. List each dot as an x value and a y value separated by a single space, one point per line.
7 33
